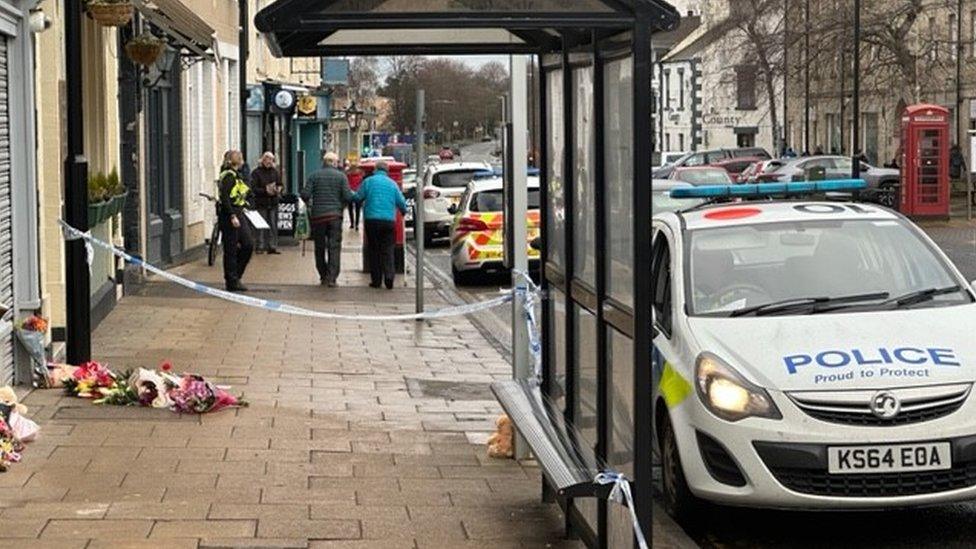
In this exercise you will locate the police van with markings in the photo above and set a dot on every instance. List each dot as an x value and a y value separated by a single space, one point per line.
809 354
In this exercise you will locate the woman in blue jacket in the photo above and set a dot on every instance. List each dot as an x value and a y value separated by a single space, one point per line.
381 198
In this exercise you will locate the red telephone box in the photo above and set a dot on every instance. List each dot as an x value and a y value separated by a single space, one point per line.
396 174
925 161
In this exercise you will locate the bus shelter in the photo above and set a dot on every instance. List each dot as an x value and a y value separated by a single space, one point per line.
596 137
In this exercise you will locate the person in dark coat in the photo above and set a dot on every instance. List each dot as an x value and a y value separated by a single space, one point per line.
327 193
267 188
235 195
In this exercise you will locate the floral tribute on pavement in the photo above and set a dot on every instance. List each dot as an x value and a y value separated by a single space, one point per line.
15 428
183 394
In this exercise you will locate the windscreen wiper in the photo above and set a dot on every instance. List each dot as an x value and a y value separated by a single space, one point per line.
921 296
814 303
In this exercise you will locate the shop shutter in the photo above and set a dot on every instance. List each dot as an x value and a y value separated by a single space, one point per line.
6 232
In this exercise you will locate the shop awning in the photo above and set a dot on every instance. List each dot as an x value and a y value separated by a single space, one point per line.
312 28
181 24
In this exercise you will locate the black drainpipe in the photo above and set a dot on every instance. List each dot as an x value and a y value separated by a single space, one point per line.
244 51
78 300
130 104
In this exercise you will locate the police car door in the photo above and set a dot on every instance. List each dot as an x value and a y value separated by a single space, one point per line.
663 264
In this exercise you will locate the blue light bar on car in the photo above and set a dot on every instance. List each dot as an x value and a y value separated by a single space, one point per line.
770 189
497 172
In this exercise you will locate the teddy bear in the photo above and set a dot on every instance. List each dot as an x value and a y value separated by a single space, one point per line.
501 442
24 429
9 398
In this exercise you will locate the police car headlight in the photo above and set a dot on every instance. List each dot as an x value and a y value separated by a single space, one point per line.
729 395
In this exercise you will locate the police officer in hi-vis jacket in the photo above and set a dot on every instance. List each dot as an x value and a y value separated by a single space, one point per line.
237 240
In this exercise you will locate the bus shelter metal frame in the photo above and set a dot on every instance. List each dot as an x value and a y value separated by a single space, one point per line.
558 35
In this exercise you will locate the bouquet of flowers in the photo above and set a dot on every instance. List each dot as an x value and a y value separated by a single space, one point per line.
186 394
152 388
10 446
89 381
34 323
196 395
32 334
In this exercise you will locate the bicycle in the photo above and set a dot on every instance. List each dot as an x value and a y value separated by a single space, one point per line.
213 244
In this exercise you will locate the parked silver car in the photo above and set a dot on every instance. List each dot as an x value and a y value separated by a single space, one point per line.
882 183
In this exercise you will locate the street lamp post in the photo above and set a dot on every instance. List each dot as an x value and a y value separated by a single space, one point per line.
786 69
77 296
856 137
806 78
353 116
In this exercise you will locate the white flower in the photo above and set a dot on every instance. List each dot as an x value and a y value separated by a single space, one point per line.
149 382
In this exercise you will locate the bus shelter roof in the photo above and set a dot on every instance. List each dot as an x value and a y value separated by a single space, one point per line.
328 28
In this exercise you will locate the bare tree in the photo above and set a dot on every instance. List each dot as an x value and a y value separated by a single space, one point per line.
754 33
364 80
459 98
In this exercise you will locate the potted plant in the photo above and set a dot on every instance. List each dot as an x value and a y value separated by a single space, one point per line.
145 49
110 13
106 197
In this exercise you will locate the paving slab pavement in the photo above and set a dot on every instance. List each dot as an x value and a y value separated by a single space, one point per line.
338 449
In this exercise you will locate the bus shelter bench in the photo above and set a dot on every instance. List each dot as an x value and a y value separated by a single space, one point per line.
570 473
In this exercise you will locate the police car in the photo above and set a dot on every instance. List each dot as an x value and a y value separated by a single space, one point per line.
477 235
809 354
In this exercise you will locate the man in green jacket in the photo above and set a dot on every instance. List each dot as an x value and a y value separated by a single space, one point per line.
327 193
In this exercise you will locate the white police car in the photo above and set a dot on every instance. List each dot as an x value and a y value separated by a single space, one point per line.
809 355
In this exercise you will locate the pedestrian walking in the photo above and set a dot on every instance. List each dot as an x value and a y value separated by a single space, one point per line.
238 243
327 193
267 188
381 198
355 176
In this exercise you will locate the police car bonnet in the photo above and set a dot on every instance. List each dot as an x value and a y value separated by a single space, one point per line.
847 351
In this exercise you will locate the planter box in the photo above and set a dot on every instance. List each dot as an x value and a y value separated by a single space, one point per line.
101 212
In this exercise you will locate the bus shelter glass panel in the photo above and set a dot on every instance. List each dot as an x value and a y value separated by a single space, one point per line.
555 235
585 400
620 447
557 347
584 242
618 108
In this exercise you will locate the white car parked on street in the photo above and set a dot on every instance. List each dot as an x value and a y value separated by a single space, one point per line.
809 354
443 186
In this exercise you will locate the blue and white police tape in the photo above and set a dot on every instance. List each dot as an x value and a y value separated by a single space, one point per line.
72 233
532 293
621 494
89 250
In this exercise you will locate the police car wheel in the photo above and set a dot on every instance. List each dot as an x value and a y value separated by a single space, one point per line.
461 278
679 502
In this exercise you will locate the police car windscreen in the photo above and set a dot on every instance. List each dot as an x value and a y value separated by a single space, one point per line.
494 201
738 267
459 178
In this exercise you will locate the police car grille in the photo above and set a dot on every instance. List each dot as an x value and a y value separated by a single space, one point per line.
820 483
919 404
